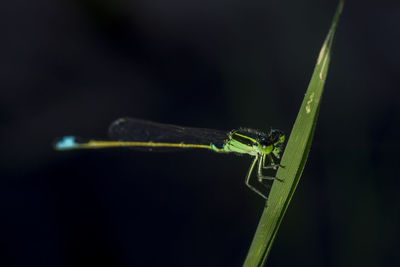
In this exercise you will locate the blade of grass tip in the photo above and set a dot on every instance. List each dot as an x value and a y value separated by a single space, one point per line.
294 157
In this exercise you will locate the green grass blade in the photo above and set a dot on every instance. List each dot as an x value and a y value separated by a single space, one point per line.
295 156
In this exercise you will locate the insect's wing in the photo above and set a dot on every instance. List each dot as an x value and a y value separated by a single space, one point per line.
136 130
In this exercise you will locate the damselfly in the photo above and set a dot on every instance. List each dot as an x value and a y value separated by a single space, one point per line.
151 136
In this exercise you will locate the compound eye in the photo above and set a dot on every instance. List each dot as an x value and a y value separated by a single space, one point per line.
275 135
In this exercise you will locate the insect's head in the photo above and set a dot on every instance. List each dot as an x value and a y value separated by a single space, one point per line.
277 137
273 142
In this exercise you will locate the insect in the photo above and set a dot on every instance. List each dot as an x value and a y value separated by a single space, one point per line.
151 136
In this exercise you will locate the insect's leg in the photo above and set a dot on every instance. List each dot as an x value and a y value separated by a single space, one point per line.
263 160
264 163
272 164
247 181
261 176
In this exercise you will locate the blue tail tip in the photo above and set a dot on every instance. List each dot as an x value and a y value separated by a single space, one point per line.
67 142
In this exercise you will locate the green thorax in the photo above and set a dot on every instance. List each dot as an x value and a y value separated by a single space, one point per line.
252 142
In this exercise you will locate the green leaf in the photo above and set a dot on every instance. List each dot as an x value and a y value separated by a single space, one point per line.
294 157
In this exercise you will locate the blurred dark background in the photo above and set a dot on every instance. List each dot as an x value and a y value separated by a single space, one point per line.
72 67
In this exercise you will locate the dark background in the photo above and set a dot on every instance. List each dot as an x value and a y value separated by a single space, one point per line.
72 67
